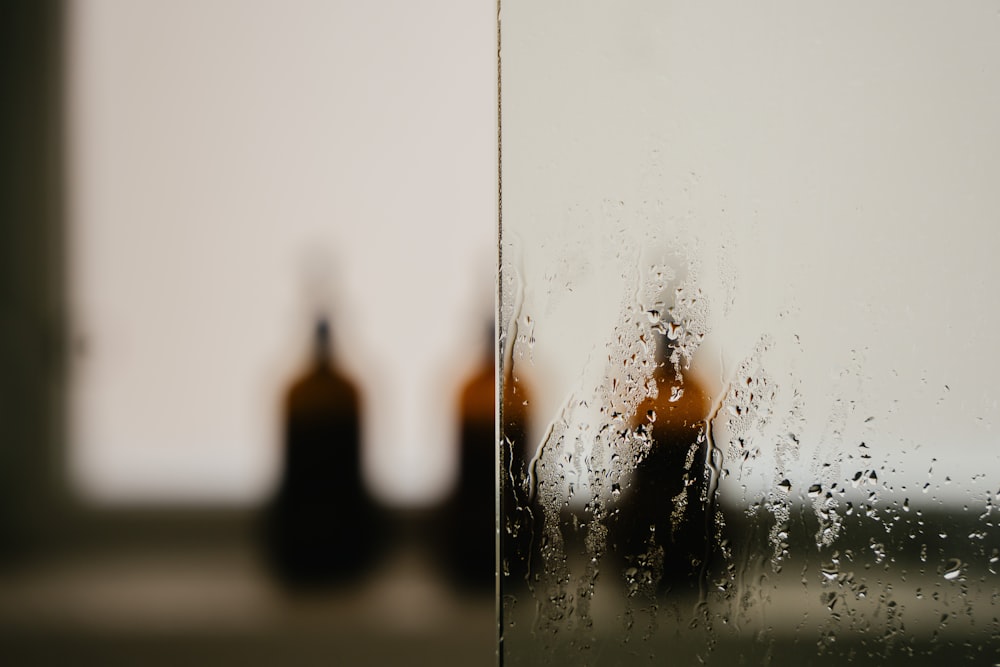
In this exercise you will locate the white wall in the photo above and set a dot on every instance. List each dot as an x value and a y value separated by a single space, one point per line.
230 164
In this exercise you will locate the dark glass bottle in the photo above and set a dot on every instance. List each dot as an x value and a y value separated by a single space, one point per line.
661 531
472 510
321 524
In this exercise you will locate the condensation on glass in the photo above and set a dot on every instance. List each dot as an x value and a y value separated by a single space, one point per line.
749 405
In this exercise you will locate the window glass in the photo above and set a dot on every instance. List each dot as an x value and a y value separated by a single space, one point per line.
748 262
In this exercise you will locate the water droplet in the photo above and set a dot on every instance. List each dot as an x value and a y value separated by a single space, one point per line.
952 569
815 490
785 485
676 393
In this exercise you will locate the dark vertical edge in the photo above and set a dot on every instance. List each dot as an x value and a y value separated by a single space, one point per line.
32 277
498 389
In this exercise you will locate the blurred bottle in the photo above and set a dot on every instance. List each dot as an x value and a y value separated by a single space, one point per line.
660 533
321 526
471 512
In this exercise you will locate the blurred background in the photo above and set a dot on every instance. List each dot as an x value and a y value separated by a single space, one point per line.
232 231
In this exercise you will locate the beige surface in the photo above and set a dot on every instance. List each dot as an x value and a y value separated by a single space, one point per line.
220 608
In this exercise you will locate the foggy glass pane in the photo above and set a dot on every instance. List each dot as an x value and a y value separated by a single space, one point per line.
747 314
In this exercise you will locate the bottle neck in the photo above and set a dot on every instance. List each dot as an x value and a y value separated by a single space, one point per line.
322 343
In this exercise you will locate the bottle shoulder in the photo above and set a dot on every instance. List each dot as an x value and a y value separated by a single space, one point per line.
322 387
478 395
679 402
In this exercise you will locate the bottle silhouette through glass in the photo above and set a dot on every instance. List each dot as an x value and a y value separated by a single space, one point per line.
660 532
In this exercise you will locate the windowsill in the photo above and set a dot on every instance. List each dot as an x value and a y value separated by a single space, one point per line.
129 600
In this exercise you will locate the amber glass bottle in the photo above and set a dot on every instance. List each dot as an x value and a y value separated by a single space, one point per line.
660 526
470 540
321 525
471 511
